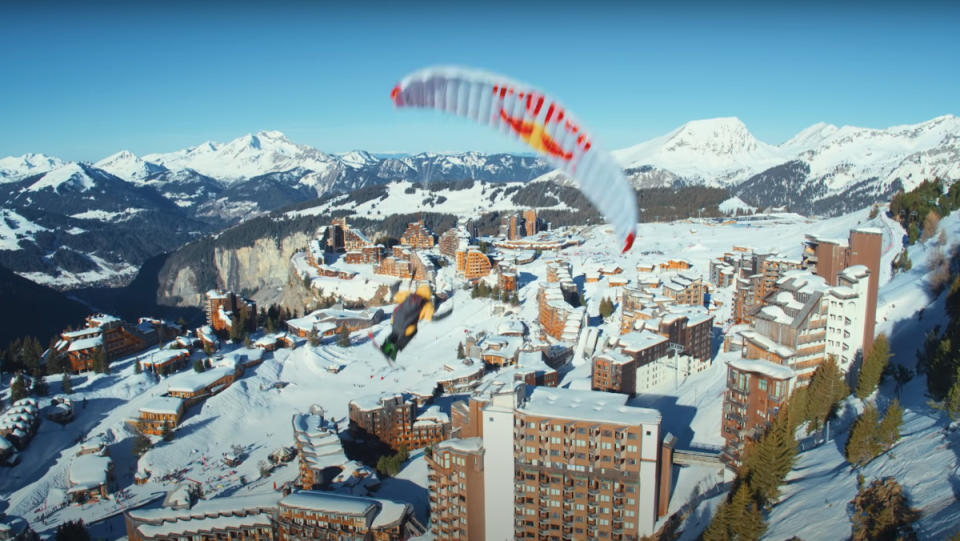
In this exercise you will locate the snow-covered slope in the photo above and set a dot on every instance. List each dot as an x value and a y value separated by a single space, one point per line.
70 176
128 166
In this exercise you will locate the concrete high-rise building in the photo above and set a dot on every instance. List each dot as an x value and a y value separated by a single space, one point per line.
828 257
456 489
755 391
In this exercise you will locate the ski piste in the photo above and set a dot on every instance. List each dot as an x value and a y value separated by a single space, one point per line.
376 344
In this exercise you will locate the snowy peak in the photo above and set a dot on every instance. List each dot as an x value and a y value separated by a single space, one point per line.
245 157
809 137
128 166
717 136
71 176
358 158
716 151
14 168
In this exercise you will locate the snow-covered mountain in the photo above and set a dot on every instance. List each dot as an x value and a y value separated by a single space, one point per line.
13 168
824 169
128 166
716 152
246 157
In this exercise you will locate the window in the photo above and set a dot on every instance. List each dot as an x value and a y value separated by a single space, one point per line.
762 384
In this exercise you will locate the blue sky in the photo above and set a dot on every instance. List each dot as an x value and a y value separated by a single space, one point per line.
83 81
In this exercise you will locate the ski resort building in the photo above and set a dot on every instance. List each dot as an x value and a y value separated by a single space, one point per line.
160 413
340 237
756 389
829 257
112 337
222 306
454 240
300 515
19 423
417 236
685 288
472 264
455 477
328 322
89 478
393 419
322 460
563 463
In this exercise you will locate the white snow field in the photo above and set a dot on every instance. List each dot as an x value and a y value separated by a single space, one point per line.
255 412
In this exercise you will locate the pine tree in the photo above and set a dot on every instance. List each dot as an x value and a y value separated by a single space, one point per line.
66 384
881 511
862 445
198 366
827 388
40 387
953 398
874 363
18 388
343 338
889 430
72 530
460 353
772 459
141 443
167 432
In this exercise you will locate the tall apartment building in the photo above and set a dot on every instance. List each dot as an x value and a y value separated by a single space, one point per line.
417 236
472 264
318 449
453 240
752 288
557 318
828 257
614 372
585 465
340 237
685 288
455 477
221 306
755 391
393 419
564 464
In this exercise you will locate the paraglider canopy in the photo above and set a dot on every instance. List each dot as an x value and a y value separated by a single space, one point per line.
535 118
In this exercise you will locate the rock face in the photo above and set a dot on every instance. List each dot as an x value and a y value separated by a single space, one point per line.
259 271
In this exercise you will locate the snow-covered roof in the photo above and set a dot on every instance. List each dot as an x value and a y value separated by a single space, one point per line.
586 406
510 326
374 401
767 368
210 508
776 314
870 230
163 356
86 343
855 272
640 340
767 344
89 471
463 445
86 331
164 405
4 444
191 382
615 357
190 528
327 502
103 319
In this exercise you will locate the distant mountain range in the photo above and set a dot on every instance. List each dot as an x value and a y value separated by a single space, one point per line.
70 224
